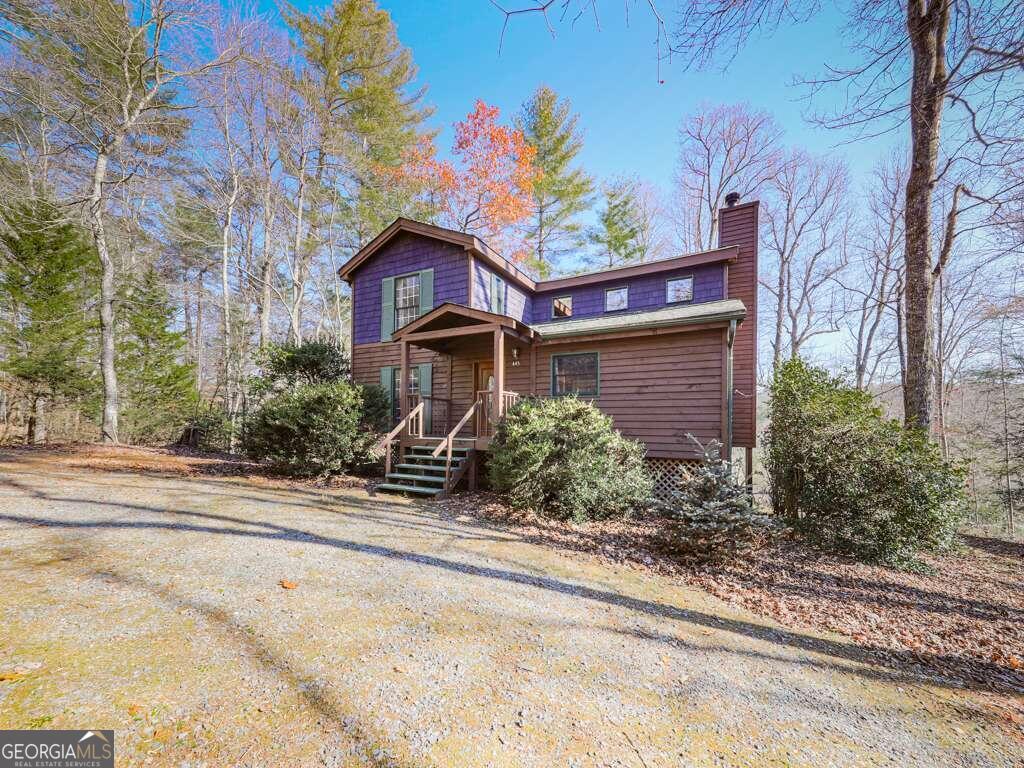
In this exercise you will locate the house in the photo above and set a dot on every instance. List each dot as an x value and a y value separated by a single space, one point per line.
664 347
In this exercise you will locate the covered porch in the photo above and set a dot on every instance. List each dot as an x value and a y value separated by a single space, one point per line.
480 347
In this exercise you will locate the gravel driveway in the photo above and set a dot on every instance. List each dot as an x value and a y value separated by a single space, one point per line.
153 605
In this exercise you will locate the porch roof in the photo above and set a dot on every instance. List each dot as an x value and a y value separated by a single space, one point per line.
440 325
688 314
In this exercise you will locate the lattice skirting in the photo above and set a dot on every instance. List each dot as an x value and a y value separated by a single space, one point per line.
667 473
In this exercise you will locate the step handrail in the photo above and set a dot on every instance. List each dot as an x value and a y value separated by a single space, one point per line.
389 438
449 439
448 444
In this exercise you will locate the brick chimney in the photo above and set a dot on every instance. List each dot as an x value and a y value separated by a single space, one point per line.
737 225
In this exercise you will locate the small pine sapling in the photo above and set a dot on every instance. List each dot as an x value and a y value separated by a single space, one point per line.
716 516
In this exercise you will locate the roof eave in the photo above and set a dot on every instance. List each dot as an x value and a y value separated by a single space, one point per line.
716 317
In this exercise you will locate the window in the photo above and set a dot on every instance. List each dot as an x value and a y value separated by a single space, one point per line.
403 299
497 295
407 299
575 374
561 307
414 387
678 289
616 299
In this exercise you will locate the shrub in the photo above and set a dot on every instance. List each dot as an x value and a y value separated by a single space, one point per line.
562 458
286 366
849 479
715 515
376 409
208 430
313 430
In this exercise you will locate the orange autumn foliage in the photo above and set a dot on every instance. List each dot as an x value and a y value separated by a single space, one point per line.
488 188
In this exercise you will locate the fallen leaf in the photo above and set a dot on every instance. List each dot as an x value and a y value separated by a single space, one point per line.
285 584
134 709
1015 662
163 734
8 677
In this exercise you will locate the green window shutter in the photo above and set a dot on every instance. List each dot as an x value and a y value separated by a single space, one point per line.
387 308
387 381
426 291
426 390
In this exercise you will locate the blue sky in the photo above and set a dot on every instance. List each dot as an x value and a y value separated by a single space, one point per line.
630 120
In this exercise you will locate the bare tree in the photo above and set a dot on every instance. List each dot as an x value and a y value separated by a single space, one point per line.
947 69
722 149
871 287
805 241
105 72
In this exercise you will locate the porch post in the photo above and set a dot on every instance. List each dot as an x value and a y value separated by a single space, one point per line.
499 373
403 384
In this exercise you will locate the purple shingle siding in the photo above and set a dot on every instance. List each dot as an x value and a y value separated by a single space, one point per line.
645 292
408 253
411 253
481 286
517 303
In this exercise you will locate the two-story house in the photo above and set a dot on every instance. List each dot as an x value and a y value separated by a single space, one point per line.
456 334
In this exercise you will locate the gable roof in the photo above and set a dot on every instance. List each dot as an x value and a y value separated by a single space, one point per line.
470 243
688 314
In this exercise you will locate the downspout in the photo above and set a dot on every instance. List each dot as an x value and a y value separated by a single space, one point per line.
730 337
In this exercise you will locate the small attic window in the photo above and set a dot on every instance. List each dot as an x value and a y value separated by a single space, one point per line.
616 299
561 307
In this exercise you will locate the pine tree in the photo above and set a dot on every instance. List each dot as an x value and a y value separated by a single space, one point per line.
561 192
617 237
47 282
357 83
158 393
716 516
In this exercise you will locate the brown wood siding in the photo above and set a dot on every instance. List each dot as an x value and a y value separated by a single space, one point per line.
368 359
738 226
655 388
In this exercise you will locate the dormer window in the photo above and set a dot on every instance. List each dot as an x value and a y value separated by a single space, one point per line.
561 307
678 289
407 299
616 299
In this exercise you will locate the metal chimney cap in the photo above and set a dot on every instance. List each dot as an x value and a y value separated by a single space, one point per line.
732 198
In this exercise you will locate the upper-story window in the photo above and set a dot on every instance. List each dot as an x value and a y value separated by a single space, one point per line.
561 307
616 299
497 295
407 299
678 289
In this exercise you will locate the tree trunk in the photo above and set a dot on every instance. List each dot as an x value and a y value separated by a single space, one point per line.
266 271
928 42
780 295
225 288
199 334
107 297
36 431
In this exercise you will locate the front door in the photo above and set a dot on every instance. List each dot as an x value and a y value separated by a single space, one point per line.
484 386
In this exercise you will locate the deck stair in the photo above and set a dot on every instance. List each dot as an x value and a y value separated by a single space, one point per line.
422 474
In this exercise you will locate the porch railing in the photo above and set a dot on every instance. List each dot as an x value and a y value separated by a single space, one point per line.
413 422
485 415
437 413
